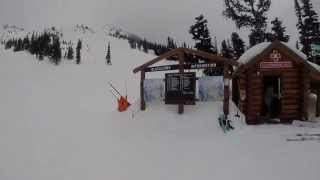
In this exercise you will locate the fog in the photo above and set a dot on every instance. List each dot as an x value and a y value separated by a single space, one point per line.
148 18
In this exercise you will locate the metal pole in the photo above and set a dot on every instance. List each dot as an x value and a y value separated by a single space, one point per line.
114 89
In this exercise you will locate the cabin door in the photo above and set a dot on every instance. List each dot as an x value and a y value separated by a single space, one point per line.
272 97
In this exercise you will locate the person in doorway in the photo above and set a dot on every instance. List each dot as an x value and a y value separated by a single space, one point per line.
268 99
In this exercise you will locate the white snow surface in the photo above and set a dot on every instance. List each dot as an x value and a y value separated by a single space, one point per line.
60 123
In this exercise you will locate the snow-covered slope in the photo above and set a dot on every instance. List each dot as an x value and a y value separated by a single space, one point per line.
60 122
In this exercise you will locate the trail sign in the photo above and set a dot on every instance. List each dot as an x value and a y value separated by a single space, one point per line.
315 49
212 66
180 88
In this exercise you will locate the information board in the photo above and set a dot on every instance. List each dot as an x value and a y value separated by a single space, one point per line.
180 88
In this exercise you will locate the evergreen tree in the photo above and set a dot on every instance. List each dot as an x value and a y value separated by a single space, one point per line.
8 44
238 45
18 45
308 26
226 50
145 46
139 45
26 43
203 42
33 44
132 43
56 51
45 43
108 57
78 52
249 14
278 31
200 33
70 52
171 44
184 45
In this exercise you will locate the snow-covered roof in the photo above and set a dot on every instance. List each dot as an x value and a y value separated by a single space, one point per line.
302 55
253 52
259 48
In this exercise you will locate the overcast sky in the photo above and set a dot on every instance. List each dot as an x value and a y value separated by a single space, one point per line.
154 19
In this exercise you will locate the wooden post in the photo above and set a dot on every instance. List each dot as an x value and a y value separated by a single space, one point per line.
181 70
226 90
142 101
318 103
306 92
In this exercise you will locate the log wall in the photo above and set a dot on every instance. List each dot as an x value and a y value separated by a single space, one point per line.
291 95
295 88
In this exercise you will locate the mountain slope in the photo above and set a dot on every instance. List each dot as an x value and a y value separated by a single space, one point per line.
60 122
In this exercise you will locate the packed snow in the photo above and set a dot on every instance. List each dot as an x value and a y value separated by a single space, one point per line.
60 122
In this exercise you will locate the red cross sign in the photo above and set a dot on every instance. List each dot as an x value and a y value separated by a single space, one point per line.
275 56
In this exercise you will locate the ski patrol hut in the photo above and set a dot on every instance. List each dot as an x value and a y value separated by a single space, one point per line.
274 81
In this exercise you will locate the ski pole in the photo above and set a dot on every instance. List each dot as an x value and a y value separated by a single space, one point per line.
113 94
114 89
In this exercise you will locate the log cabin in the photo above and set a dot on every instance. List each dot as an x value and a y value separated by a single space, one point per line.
274 81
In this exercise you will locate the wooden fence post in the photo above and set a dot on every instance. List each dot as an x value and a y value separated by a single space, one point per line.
226 79
181 70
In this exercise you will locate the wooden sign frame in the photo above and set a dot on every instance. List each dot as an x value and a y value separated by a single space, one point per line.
185 66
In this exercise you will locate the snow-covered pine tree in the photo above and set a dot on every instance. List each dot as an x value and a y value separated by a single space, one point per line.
108 57
200 33
238 45
308 26
278 31
78 52
249 14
